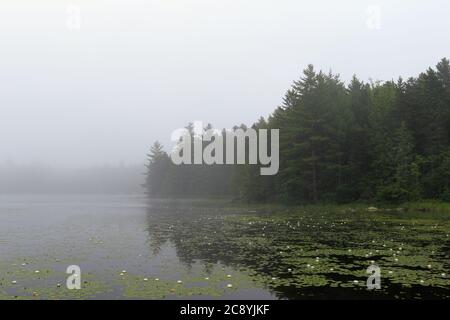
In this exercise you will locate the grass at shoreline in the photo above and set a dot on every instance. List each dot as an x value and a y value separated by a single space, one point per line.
418 209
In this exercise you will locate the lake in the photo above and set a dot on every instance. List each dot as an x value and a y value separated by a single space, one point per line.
129 247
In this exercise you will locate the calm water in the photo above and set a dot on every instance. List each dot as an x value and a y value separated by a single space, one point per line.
132 248
104 235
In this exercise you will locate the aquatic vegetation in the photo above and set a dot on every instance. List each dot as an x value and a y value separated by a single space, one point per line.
215 285
293 252
43 285
206 251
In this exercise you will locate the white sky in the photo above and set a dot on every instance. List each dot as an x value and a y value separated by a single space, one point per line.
138 69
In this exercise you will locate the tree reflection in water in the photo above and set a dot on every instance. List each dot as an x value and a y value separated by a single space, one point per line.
298 255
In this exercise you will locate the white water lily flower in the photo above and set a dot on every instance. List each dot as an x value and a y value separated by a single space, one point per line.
229 285
179 281
14 282
156 279
228 275
37 271
145 279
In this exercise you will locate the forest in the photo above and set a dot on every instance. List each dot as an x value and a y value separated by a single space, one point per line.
386 141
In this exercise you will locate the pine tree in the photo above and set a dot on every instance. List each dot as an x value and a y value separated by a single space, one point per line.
312 150
384 140
157 170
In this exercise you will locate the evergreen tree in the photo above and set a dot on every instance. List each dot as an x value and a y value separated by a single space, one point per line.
157 170
382 140
311 136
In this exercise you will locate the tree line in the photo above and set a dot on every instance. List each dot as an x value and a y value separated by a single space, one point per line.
386 141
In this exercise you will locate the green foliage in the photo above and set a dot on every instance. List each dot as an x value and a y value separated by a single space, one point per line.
387 141
164 179
393 194
157 170
445 196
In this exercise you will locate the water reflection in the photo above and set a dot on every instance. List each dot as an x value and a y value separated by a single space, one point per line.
269 252
300 256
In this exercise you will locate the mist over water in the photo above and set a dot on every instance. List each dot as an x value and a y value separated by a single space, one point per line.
136 70
40 179
91 92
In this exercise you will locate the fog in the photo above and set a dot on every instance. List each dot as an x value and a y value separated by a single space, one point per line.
40 179
92 83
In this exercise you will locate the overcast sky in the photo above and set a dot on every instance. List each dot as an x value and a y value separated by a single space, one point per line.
100 87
